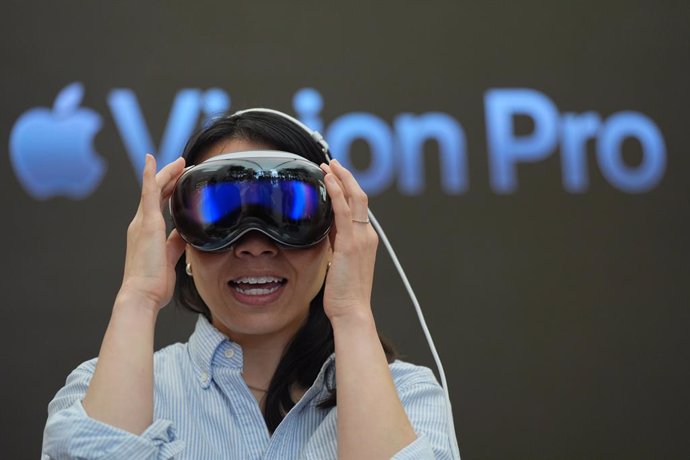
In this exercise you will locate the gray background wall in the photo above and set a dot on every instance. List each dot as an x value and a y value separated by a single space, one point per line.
561 317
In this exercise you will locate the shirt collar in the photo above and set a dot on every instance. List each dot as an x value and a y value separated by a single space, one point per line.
323 385
204 345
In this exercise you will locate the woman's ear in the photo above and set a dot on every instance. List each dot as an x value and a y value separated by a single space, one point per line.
331 236
187 257
329 255
186 261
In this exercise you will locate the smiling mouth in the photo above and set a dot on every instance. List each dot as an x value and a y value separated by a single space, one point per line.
257 285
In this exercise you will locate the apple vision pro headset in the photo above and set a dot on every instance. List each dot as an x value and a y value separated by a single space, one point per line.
279 194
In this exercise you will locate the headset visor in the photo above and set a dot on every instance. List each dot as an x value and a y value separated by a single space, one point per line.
279 194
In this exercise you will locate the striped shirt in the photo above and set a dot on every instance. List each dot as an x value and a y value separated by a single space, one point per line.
204 410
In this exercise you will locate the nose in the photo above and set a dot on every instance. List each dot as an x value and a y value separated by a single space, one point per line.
255 244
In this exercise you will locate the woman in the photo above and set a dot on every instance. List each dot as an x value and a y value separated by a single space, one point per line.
279 330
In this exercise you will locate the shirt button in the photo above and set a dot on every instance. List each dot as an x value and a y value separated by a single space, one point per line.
229 353
204 377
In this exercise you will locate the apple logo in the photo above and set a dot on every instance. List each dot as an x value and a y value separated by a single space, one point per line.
52 151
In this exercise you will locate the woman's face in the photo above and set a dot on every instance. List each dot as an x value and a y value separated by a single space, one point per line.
258 289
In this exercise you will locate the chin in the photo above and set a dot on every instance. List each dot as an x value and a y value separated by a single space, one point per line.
260 325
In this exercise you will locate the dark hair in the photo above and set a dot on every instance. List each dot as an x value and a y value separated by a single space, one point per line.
310 347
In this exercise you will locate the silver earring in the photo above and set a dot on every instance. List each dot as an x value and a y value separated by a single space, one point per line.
188 269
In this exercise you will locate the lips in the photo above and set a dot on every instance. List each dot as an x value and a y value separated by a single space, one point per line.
257 290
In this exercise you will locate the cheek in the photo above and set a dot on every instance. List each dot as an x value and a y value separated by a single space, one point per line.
205 269
315 272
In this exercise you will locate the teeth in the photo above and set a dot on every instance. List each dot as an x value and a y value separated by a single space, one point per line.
258 291
258 280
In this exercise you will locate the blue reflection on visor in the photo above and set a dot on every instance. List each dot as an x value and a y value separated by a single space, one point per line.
291 199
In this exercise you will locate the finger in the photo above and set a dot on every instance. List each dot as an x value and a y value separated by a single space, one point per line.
150 192
341 209
327 170
167 177
350 184
356 197
174 247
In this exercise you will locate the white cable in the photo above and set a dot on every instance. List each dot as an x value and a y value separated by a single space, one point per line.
427 334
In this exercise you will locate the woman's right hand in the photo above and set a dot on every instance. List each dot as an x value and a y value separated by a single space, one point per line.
149 277
121 390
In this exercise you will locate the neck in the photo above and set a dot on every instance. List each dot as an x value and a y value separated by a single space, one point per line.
261 360
261 355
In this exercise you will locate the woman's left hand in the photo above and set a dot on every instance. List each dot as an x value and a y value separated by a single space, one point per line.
350 278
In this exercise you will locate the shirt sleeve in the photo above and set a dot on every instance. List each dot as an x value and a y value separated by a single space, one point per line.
71 433
425 404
